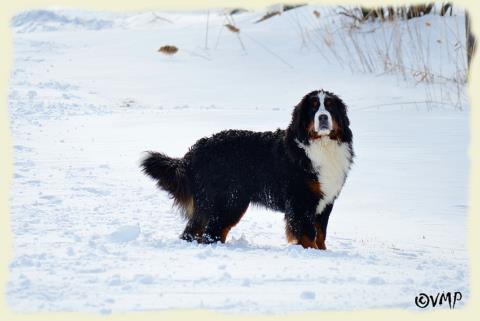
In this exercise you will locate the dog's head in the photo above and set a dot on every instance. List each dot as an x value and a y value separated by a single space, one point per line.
320 115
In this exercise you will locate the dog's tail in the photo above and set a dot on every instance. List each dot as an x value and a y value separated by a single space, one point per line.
171 176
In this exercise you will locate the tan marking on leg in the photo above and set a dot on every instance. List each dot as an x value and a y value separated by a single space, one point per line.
304 240
320 238
224 232
290 237
307 242
197 234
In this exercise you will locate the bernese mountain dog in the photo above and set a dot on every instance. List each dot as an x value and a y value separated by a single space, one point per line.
298 171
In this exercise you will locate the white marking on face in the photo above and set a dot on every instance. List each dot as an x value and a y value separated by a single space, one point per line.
331 161
320 127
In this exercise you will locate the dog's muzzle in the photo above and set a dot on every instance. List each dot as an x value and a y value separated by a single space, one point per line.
323 123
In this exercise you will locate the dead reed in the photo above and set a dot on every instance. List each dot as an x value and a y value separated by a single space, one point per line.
168 50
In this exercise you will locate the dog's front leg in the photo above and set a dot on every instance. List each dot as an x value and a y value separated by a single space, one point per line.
321 222
300 228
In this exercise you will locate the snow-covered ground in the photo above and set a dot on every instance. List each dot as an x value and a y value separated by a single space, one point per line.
89 93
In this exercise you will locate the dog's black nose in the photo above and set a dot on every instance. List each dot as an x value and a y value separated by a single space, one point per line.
323 119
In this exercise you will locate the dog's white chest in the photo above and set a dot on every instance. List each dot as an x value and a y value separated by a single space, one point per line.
331 161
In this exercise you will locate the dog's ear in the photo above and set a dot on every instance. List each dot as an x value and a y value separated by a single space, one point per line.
346 135
298 126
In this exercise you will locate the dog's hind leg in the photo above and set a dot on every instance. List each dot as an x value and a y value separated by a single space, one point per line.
213 230
218 226
194 229
236 216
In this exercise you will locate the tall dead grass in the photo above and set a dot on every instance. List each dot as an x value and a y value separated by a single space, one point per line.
425 51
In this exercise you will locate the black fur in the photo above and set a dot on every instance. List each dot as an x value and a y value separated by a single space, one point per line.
221 175
170 174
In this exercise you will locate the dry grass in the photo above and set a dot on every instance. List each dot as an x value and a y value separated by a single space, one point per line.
268 15
362 14
230 25
404 48
232 28
168 50
236 11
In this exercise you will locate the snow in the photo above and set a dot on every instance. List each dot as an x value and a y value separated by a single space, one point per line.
47 20
125 233
89 93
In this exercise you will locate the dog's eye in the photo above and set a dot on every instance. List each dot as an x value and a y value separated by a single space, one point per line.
328 103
